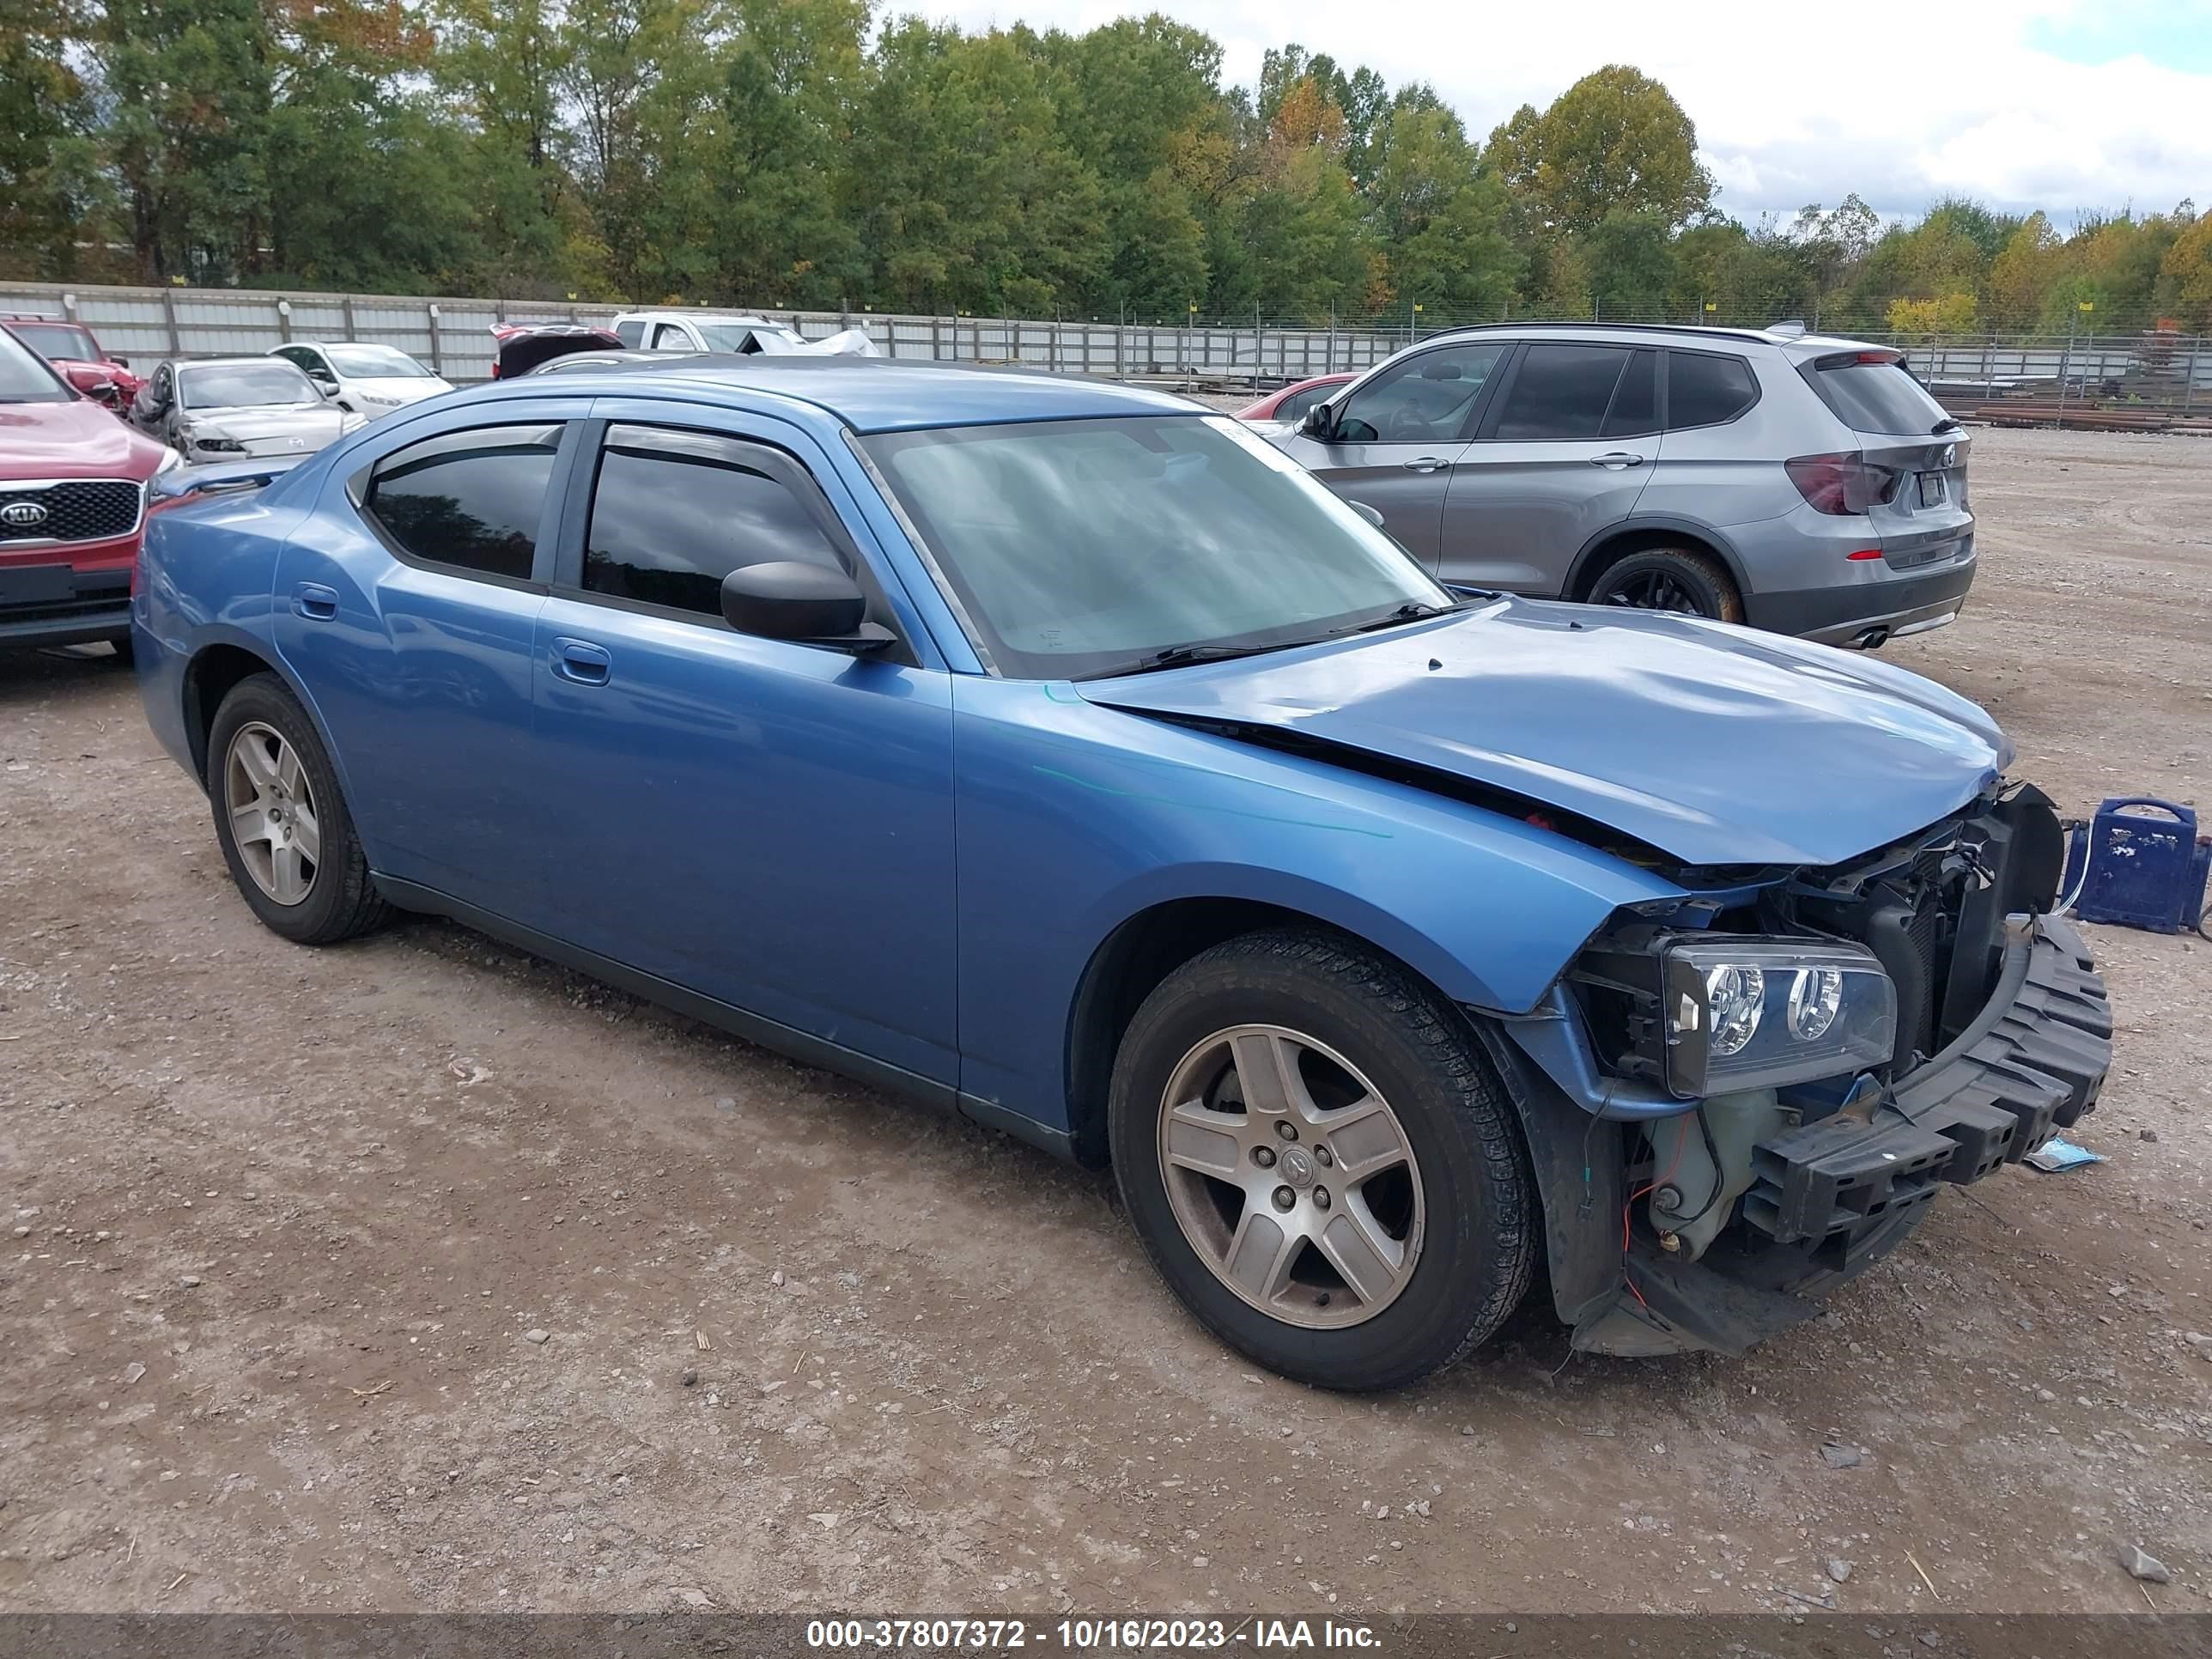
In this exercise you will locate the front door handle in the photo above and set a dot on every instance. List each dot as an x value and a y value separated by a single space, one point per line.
1616 459
314 601
581 663
1426 464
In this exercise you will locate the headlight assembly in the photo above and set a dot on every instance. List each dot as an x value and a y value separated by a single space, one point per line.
1708 1015
1759 1013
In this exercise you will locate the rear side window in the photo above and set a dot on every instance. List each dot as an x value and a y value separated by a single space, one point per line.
1635 410
675 512
468 500
1875 397
1562 391
1704 391
632 334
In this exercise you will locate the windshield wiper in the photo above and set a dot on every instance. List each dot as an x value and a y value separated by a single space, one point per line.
1413 611
1182 656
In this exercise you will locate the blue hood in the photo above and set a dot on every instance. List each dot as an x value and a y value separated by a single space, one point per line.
1714 744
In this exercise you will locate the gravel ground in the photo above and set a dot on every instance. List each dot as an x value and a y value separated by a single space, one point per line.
420 1274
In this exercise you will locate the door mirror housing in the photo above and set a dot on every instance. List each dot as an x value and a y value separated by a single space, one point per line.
1319 423
806 604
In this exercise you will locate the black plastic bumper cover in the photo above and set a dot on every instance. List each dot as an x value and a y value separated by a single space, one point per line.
1844 1190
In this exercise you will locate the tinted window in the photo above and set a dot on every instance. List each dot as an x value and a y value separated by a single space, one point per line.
1562 391
1294 408
1425 399
1878 397
632 334
469 499
1706 391
1634 408
676 512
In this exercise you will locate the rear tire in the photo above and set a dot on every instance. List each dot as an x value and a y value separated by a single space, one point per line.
1357 1214
280 822
1677 579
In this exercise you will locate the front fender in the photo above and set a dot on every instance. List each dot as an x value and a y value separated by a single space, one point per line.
1075 818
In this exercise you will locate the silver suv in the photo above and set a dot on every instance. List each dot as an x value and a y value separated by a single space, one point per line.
1807 485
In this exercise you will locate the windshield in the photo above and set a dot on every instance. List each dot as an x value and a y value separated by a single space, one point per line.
1082 547
243 386
376 362
24 378
52 340
738 336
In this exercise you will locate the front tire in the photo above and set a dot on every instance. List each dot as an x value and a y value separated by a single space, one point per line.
281 823
1320 1162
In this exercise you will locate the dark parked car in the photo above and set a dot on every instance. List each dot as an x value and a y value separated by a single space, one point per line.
1062 755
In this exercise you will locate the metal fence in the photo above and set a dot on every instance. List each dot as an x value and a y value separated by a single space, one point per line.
2146 370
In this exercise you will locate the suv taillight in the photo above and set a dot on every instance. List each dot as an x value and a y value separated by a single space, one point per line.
1845 485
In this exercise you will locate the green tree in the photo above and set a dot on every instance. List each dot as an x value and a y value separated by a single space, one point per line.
50 189
1614 143
1443 223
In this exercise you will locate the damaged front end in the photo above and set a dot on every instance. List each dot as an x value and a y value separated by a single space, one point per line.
1774 1078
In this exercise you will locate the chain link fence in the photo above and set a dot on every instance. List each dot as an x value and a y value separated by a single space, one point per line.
2147 375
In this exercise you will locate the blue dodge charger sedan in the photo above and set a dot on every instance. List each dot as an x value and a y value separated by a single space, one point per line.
1062 755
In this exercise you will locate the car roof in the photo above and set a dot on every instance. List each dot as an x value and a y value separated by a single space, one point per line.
876 394
180 364
1791 341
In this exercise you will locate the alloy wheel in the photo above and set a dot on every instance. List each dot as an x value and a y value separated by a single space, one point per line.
1291 1176
272 813
1653 590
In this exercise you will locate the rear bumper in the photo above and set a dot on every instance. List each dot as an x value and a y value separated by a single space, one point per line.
52 603
1845 615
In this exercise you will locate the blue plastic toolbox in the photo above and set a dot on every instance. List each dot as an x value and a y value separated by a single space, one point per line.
2147 865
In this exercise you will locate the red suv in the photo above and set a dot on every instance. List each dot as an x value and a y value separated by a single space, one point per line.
72 485
77 356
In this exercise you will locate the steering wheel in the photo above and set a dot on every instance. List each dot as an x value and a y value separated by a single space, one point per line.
1406 426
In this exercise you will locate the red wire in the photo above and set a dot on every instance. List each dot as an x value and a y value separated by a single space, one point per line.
1626 1209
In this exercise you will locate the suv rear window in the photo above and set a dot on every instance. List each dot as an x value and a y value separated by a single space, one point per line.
1875 397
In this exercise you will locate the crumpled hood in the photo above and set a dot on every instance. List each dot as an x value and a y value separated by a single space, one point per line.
317 423
1716 744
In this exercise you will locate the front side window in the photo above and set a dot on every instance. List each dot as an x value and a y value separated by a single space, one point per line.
1702 390
1080 547
631 333
1562 391
470 500
1426 399
244 385
675 512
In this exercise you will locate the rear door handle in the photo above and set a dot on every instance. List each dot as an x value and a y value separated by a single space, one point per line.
581 663
1426 464
314 601
1616 460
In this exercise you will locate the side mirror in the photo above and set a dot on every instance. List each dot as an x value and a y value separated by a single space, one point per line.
1319 424
120 362
808 604
1365 511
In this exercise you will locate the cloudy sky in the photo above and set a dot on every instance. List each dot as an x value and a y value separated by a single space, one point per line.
2062 103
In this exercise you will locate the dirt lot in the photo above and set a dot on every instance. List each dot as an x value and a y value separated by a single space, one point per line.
420 1274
